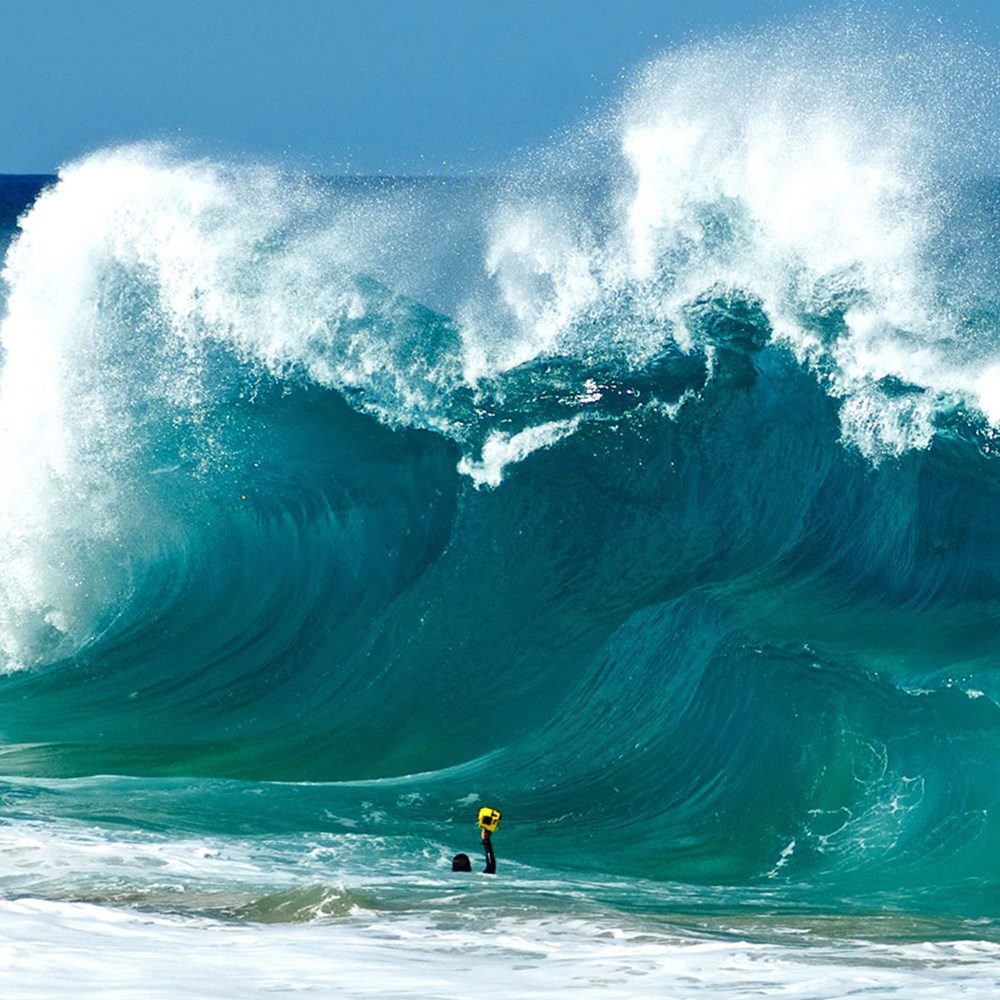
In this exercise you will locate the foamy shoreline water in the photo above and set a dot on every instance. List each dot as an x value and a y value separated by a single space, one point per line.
56 950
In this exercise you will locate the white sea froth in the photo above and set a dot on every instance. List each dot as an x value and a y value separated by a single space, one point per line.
57 950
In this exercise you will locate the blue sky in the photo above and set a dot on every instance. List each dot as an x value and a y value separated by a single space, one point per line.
363 85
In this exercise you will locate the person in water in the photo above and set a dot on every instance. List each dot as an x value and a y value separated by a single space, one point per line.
461 862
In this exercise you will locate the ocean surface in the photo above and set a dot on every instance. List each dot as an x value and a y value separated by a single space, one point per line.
646 490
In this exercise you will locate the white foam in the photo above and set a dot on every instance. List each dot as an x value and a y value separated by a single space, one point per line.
819 157
127 277
54 950
808 169
529 933
501 450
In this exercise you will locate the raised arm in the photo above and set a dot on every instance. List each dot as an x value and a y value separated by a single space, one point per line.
491 861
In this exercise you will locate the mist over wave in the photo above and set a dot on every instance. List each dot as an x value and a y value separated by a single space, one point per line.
649 488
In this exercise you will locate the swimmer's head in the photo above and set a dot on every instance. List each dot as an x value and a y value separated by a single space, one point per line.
461 863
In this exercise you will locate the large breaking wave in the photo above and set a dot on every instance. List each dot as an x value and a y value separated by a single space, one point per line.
651 487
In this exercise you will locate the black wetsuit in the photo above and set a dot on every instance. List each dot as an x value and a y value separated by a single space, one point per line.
491 861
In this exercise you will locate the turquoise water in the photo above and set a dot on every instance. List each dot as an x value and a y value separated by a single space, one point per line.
646 492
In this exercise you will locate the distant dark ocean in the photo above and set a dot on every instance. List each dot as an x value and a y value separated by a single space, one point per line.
647 492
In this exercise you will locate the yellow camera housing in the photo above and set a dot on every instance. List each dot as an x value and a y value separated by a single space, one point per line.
489 819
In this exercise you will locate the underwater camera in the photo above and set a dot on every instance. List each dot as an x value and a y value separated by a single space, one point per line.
489 819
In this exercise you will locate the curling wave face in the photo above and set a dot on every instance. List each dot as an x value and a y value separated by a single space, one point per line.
651 485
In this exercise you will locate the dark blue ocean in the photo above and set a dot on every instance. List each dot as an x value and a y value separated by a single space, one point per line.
645 490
